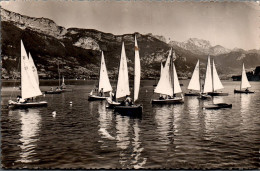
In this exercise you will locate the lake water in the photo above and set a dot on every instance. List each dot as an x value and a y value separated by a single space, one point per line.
87 135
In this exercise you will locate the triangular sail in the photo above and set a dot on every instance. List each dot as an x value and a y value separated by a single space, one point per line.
161 69
208 79
29 86
195 79
137 72
176 84
103 77
164 85
63 82
123 81
244 81
34 70
216 81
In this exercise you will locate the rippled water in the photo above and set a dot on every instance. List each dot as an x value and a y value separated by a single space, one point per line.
87 135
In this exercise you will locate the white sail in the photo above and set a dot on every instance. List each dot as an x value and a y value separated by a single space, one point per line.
244 81
161 69
137 72
103 76
34 70
63 82
176 84
164 85
123 81
29 86
216 81
195 79
208 79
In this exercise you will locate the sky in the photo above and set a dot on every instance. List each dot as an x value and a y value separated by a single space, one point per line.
230 24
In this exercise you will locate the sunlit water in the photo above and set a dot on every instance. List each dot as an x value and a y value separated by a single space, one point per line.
87 135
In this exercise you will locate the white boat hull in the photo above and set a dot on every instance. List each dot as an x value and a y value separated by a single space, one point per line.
13 104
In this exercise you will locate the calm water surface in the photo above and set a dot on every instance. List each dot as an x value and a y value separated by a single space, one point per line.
87 135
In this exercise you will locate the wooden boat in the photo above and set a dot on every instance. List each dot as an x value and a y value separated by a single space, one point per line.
53 92
168 84
244 83
29 83
123 84
194 83
218 106
103 84
212 81
244 91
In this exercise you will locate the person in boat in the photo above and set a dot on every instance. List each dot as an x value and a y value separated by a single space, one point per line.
246 90
161 97
51 88
101 92
128 101
57 88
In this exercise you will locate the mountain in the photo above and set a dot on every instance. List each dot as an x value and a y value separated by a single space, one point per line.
78 50
200 46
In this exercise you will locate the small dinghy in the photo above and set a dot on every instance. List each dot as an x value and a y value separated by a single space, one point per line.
212 81
103 84
16 105
244 83
218 106
244 91
176 100
29 83
53 92
192 94
127 107
168 84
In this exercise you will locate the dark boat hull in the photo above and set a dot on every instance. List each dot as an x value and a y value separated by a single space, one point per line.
205 97
53 92
133 110
218 106
243 91
28 104
94 98
192 94
217 94
168 101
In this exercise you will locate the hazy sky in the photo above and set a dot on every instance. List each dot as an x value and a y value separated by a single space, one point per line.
230 24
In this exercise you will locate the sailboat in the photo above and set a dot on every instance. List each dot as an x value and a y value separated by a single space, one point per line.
58 89
131 109
207 83
244 83
156 81
29 83
212 82
194 83
168 84
103 84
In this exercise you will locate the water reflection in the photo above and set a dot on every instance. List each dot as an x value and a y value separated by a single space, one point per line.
128 140
105 121
245 108
31 123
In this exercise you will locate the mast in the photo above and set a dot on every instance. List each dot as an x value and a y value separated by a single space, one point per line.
59 72
212 76
199 76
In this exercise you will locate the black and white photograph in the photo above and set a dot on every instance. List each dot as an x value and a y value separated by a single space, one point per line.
130 84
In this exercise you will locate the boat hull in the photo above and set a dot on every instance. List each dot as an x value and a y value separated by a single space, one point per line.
27 105
53 92
217 94
168 101
133 110
192 94
218 106
243 91
94 98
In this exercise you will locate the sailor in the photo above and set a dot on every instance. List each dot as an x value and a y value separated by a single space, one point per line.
128 101
161 97
18 99
51 88
246 89
101 92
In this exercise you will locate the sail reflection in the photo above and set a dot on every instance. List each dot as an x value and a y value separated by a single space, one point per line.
31 123
105 120
163 118
193 106
128 140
